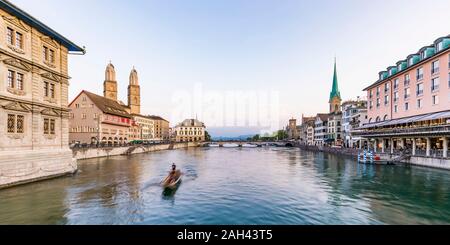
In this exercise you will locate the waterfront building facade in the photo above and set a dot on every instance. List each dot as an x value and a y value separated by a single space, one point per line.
354 115
33 98
321 129
146 127
306 130
161 128
409 104
190 130
95 119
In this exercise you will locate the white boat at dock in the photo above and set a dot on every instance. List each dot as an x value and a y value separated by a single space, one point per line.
249 146
213 145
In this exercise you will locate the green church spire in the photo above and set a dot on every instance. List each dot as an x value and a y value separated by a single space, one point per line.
335 90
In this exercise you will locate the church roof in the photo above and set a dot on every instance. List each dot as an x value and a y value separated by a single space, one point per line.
106 105
335 89
30 20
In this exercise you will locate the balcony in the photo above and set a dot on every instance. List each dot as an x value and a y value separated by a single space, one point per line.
406 131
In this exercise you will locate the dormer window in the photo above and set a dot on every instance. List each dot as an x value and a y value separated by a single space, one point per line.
440 46
411 61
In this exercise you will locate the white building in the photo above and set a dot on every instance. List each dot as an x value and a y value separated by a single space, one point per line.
354 115
321 129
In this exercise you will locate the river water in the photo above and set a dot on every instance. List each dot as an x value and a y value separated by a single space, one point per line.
233 186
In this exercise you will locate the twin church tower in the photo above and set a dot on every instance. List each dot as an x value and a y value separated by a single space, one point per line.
134 90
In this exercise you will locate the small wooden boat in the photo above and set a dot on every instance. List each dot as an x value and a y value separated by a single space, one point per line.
172 184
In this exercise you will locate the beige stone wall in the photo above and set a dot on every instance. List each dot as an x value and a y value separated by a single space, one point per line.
81 154
32 150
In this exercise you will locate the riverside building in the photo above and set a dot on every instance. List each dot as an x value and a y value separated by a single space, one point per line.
34 138
409 104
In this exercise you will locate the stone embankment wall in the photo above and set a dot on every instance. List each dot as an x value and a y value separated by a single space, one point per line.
432 162
33 165
87 153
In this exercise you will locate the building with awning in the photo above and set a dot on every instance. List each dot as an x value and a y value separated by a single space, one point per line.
409 105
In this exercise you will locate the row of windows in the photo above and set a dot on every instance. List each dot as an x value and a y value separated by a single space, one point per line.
15 39
419 76
435 83
190 133
15 80
16 125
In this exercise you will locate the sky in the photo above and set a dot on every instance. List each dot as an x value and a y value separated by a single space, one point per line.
278 52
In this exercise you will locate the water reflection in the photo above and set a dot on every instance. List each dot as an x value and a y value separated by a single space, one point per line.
234 186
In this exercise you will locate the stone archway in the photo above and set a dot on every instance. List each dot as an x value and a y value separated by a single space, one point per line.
110 141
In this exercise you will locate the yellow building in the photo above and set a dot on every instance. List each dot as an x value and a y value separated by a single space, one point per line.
34 138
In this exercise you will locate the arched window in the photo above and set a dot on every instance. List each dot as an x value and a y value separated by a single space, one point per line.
370 120
378 119
385 117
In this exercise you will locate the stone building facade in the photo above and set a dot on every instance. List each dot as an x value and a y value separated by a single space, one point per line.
33 98
96 119
161 128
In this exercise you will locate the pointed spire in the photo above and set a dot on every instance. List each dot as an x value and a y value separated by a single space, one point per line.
335 89
110 72
134 80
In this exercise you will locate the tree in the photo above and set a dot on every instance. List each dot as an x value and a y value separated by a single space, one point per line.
207 136
256 137
281 135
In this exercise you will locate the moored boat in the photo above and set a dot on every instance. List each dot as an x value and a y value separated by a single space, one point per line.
249 146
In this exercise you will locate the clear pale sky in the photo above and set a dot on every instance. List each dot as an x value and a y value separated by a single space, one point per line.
247 45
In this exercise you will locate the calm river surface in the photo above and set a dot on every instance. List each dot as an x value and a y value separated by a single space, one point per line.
234 186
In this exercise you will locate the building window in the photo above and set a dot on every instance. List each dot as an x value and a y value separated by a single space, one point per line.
419 103
378 102
407 80
386 87
83 116
15 80
434 84
10 36
386 99
19 81
419 89
396 84
48 55
49 126
11 76
396 97
395 108
371 93
371 104
14 38
406 106
440 46
419 74
16 124
435 99
407 93
46 89
19 40
435 67
378 91
49 89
